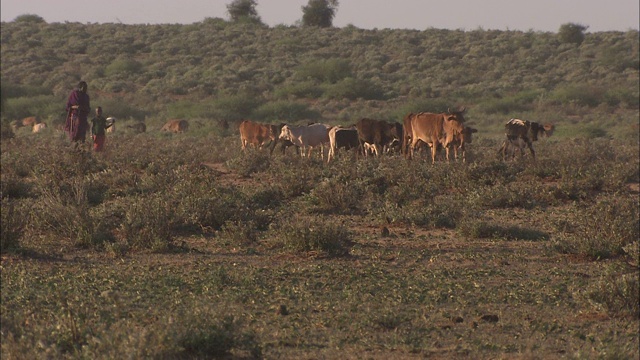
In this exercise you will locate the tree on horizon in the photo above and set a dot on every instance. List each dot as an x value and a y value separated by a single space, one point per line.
319 13
243 10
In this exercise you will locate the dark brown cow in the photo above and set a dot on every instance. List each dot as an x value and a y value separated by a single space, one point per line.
341 137
521 133
435 130
258 134
378 134
176 126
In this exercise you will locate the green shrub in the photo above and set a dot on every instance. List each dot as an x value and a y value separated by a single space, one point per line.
37 105
235 107
123 66
617 294
64 210
251 162
303 235
285 111
480 229
353 89
13 223
603 230
305 89
205 337
337 197
239 233
579 94
572 33
29 18
329 70
148 223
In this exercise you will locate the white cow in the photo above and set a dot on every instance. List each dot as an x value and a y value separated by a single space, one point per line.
39 127
112 128
306 137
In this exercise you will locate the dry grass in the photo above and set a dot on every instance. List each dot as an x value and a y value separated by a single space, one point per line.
188 253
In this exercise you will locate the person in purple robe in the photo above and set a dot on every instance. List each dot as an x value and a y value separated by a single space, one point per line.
78 108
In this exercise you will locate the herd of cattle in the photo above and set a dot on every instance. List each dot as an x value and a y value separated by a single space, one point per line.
369 136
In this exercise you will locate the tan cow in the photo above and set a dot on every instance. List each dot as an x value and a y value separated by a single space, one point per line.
176 126
39 127
30 121
521 133
257 134
433 129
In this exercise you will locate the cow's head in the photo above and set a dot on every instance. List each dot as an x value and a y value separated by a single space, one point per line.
535 130
548 129
456 115
466 134
285 133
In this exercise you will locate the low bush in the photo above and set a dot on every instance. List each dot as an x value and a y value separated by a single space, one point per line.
252 161
239 233
337 197
616 294
203 337
148 223
354 89
302 235
602 230
13 222
285 111
480 229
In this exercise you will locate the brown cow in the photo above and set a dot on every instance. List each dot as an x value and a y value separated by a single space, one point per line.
378 134
176 126
258 134
38 127
434 129
521 133
30 121
460 140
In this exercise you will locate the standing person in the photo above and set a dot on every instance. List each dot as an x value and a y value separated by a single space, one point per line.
98 127
78 108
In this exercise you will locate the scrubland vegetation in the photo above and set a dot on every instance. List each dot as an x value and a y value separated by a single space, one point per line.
181 246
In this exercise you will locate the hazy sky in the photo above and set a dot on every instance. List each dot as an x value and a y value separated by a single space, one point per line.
537 15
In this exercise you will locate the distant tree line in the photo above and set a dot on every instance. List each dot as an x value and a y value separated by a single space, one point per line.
318 13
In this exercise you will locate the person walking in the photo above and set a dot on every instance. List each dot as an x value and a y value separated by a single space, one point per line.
78 108
98 130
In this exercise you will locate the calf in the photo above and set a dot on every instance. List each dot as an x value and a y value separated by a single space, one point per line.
521 133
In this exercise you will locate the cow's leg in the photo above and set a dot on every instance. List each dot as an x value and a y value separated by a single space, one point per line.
503 150
412 146
434 150
533 153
